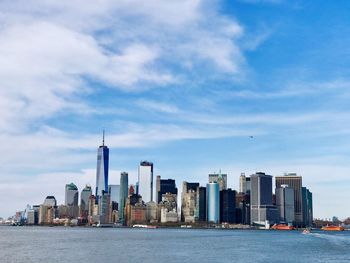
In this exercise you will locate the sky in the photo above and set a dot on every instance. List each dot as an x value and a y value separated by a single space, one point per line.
183 84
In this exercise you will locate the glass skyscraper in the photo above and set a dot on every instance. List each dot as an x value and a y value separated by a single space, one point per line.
71 195
123 194
102 169
145 181
213 203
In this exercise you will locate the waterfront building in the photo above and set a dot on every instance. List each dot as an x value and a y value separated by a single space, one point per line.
169 201
71 195
145 181
201 204
63 211
123 194
93 217
33 215
104 205
102 169
152 212
294 181
243 208
219 178
213 203
262 209
189 200
164 186
168 216
135 210
285 204
84 202
71 200
307 207
228 206
46 214
244 184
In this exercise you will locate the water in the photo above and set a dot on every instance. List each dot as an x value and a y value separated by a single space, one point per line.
59 244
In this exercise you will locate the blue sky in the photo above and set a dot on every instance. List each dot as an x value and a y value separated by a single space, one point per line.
180 83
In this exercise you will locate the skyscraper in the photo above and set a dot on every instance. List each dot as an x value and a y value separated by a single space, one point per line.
123 195
261 206
244 184
71 195
188 201
213 203
164 186
285 204
201 209
307 207
84 201
219 178
294 181
145 181
102 169
228 206
114 191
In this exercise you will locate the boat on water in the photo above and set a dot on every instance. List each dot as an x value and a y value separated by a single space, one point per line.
282 227
332 228
144 226
306 231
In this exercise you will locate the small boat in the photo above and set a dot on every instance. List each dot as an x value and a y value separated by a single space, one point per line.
282 227
306 231
332 228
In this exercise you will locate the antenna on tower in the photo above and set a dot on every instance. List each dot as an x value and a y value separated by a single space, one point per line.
103 137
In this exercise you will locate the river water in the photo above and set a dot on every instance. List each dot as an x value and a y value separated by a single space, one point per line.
59 244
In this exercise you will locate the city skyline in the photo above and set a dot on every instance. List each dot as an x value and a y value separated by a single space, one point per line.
242 86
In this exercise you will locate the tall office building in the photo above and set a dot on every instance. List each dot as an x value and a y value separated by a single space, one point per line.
189 201
285 204
145 181
164 186
294 181
104 206
102 169
261 206
244 184
213 203
307 207
219 178
84 201
228 206
71 195
123 195
201 209
71 200
114 190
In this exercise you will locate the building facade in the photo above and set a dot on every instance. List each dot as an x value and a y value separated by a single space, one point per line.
84 201
189 201
294 181
102 169
164 186
219 178
123 194
285 204
261 208
213 203
145 181
228 206
201 209
244 184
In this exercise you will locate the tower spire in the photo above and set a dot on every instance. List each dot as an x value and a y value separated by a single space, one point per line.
103 137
